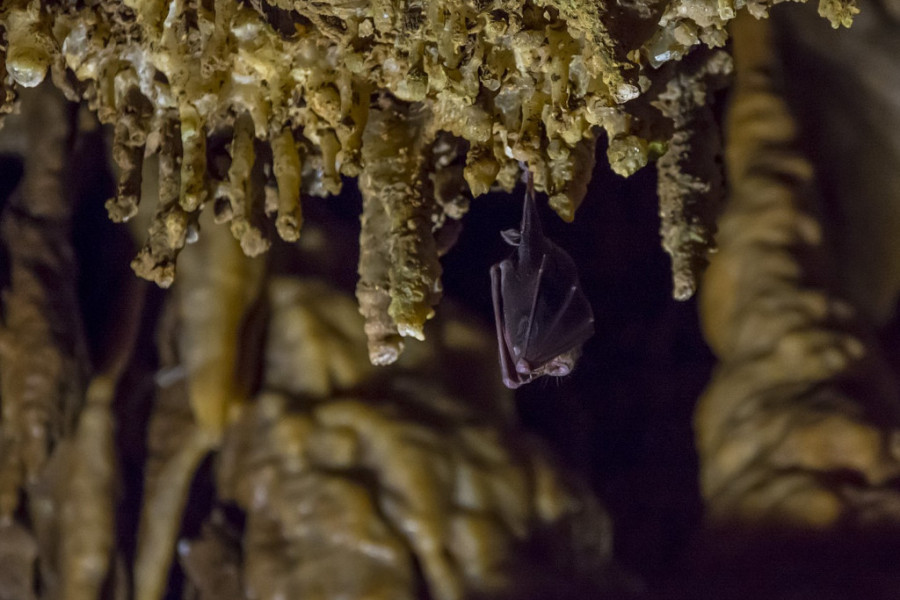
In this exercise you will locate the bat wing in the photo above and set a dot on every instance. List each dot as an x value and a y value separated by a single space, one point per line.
543 310
540 311
511 378
561 317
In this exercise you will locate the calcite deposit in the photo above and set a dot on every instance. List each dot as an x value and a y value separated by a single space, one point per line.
291 84
230 437
798 429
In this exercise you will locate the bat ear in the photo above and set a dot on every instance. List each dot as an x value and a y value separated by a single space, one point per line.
513 237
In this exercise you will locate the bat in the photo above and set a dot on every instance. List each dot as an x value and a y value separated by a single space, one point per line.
542 315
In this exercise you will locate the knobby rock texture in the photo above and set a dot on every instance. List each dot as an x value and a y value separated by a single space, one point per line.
231 437
248 105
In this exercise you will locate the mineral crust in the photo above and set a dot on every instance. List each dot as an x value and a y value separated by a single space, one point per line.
514 81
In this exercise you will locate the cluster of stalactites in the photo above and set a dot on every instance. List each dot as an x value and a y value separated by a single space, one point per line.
241 194
247 105
517 80
242 112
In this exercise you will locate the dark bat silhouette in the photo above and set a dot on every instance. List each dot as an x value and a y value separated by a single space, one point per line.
542 315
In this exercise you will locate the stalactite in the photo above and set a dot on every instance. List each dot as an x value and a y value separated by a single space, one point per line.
169 228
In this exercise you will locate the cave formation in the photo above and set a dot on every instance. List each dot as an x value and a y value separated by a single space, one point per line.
245 349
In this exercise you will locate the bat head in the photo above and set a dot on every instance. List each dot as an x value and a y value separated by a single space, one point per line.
559 366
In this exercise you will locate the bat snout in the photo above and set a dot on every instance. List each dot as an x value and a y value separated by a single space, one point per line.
558 369
563 364
560 366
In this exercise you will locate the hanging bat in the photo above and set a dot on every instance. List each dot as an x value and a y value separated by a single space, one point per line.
542 316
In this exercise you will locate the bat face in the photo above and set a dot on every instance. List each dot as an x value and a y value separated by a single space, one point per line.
542 316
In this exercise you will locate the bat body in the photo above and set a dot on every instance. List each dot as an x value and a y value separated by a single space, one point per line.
542 315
